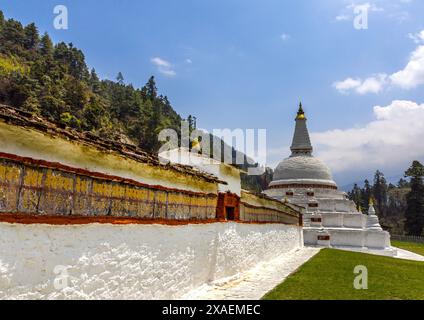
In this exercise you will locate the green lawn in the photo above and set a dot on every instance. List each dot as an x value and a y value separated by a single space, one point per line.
329 276
410 246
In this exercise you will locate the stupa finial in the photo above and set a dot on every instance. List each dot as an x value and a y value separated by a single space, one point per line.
300 113
301 144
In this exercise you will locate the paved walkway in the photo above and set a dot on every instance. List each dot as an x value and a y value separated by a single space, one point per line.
255 283
408 255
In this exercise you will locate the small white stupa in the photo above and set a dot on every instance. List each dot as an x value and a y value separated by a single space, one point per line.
372 219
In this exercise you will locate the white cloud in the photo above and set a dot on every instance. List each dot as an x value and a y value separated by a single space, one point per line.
413 74
285 36
417 37
410 77
347 84
373 84
160 62
343 17
400 17
389 142
164 67
189 61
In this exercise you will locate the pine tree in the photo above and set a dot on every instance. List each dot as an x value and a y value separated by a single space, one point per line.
13 37
149 138
77 66
366 196
94 81
415 200
46 45
403 183
356 196
380 191
120 78
151 89
32 38
2 21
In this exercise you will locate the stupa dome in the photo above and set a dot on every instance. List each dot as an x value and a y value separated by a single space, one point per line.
302 167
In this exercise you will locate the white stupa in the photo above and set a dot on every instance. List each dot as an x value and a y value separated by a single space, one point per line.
330 218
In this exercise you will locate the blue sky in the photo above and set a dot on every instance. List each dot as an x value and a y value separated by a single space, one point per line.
246 64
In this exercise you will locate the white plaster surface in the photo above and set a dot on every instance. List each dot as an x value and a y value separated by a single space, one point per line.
303 167
408 255
223 171
132 261
255 283
362 240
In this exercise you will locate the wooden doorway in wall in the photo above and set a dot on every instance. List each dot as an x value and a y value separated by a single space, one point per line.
228 207
230 213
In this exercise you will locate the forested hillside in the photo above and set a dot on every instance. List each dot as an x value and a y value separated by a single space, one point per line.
53 81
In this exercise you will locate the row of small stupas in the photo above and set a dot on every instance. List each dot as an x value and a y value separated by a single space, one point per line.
331 219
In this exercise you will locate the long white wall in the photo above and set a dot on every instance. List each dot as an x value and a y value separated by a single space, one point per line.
131 261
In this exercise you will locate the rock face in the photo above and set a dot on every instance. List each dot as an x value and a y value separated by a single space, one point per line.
330 218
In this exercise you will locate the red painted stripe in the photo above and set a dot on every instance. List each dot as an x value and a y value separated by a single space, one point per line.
20 218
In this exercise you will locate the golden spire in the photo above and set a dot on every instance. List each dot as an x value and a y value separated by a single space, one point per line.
300 113
371 201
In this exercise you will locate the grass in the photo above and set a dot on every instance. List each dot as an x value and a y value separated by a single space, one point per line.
410 246
329 276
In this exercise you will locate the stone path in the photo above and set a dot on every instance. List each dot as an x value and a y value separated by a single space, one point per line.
408 255
255 283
